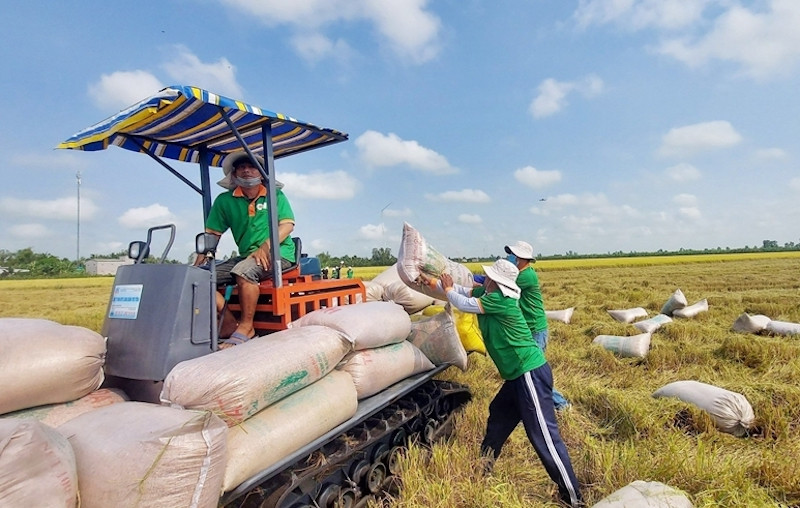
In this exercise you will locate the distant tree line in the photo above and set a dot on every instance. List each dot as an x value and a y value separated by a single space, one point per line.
26 263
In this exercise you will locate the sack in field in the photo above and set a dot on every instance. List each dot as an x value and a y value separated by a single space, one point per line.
240 381
750 324
135 454
375 369
367 325
731 411
564 315
652 324
44 362
628 315
288 425
37 466
691 310
416 257
676 301
437 337
641 494
635 346
783 328
54 415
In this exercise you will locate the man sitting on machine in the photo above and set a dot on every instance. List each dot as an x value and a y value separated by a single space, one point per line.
243 210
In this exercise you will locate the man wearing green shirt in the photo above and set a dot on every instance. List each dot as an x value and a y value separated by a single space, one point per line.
243 210
527 391
531 302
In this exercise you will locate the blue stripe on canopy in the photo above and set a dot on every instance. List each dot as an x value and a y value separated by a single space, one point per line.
177 121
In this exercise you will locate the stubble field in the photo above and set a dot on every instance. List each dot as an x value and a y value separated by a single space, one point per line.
615 431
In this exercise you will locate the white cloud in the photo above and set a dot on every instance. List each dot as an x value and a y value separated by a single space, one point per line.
640 14
552 96
794 183
468 218
147 217
315 47
218 77
404 212
685 199
405 26
121 89
372 231
63 209
536 178
29 231
379 150
691 139
334 185
683 172
689 212
764 44
771 154
462 196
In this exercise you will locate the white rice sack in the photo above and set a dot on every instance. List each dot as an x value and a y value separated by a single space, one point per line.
783 328
750 324
44 362
288 425
692 310
731 411
54 415
563 315
374 370
240 381
652 324
37 466
411 301
135 454
367 325
438 339
635 346
676 301
374 291
416 257
640 494
387 276
628 315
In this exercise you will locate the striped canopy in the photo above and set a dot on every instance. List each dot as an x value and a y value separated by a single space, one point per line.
179 120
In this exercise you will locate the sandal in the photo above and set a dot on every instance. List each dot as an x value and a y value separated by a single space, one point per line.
237 338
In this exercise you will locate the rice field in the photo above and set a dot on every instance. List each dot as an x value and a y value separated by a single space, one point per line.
615 431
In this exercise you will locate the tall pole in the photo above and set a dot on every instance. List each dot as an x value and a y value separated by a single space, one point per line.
78 243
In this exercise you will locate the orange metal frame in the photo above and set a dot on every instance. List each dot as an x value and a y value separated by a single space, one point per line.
299 295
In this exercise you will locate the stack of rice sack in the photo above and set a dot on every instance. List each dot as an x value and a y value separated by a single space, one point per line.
44 365
275 393
104 450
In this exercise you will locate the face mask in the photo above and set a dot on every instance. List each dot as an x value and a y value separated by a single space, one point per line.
247 182
512 258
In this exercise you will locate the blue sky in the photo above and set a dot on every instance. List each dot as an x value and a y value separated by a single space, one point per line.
590 126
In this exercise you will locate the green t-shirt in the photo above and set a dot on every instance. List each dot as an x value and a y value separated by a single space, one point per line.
507 337
249 222
531 302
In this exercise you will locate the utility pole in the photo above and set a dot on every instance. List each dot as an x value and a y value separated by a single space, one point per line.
78 243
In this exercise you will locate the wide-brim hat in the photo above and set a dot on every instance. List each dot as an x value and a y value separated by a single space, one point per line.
504 273
523 250
230 161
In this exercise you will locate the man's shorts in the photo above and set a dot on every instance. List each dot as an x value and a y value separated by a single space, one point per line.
246 268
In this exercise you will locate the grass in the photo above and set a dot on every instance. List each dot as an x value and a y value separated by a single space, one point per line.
616 432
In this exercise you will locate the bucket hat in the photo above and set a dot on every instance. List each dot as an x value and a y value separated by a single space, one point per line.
523 250
504 273
230 161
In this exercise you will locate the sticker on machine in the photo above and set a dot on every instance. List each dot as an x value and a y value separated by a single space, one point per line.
125 301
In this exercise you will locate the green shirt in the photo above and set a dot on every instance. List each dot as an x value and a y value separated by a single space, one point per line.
531 302
507 337
249 220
